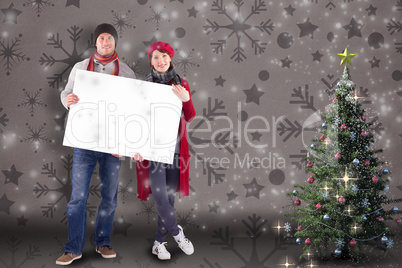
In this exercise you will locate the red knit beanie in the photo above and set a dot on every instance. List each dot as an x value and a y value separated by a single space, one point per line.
160 45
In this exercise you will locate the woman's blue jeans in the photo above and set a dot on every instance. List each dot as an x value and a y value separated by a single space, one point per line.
84 163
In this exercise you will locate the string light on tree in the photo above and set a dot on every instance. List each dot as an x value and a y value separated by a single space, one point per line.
349 210
346 178
355 228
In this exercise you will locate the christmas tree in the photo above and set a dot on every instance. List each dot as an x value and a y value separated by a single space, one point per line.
343 207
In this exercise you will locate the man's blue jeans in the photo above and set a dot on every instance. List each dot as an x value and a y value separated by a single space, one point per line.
83 165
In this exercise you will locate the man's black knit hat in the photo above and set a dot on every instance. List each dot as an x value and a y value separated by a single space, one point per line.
106 28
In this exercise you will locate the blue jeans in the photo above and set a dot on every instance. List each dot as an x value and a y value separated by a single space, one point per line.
84 163
163 180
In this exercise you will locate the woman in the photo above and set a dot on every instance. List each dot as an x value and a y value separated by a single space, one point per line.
163 180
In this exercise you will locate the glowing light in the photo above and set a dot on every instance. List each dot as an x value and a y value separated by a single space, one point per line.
279 227
346 178
311 264
356 98
309 254
326 188
349 210
355 228
286 264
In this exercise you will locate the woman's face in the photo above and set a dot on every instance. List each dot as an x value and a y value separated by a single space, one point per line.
160 61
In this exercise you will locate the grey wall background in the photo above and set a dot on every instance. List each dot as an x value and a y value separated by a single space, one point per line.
252 65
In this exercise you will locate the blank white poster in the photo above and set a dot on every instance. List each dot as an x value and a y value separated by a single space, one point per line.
123 116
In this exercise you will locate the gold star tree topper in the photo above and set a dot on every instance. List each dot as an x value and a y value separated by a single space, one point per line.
346 57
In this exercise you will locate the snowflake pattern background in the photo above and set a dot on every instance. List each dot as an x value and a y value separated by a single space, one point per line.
240 28
10 53
32 101
38 5
261 74
122 21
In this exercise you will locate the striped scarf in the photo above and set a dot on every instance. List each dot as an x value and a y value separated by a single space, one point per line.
165 78
104 60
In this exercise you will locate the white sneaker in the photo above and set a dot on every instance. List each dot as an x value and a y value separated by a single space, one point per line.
161 251
184 243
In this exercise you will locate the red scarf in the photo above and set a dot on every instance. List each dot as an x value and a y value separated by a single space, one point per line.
104 60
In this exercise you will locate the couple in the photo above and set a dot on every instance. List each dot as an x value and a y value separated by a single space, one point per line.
162 180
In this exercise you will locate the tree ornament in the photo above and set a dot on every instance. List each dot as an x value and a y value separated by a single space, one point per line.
364 133
344 127
309 165
365 203
318 206
374 179
299 228
310 179
339 84
384 239
350 85
338 252
363 117
355 161
390 243
327 141
394 209
308 242
398 221
386 188
341 200
338 156
326 218
322 137
324 125
298 241
380 219
335 100
297 202
352 242
364 218
295 192
313 145
385 171
366 163
346 57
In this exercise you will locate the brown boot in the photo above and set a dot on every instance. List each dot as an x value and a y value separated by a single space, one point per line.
67 258
106 251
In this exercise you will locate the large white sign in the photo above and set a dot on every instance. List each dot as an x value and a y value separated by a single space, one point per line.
123 116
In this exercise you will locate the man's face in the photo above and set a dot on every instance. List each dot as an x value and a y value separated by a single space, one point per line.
105 44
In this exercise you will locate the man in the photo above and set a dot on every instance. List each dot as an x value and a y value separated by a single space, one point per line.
104 60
